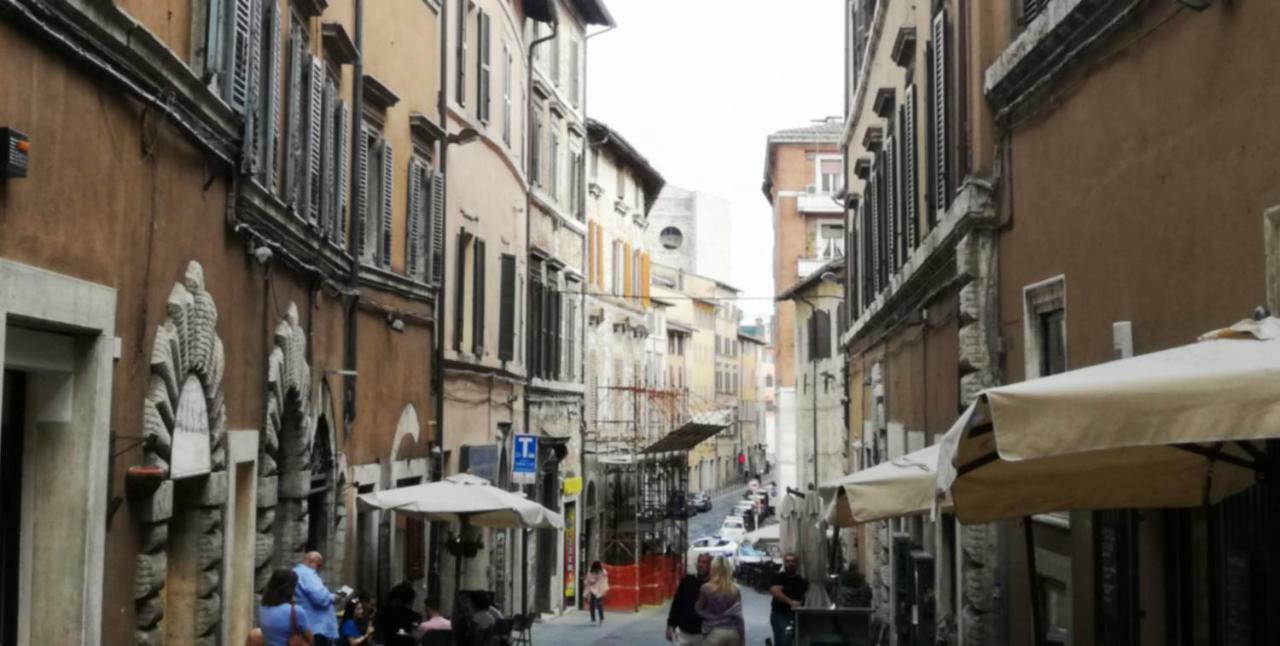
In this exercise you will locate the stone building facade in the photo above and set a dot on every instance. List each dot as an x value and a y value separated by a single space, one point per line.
973 131
688 230
238 336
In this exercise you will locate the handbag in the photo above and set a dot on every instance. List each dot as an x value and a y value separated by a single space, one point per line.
296 636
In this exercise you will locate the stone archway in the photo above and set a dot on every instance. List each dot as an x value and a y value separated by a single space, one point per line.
284 458
177 496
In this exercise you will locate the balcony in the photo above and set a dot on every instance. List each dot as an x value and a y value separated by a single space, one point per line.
818 203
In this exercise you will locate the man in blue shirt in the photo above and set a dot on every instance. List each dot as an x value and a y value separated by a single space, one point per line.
315 600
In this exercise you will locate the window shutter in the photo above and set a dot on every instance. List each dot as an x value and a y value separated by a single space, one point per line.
570 349
250 71
941 170
911 163
413 224
237 90
328 176
627 266
437 228
268 172
385 212
294 143
461 81
343 158
460 292
507 310
535 153
482 66
591 252
890 203
214 55
478 295
315 132
360 212
873 213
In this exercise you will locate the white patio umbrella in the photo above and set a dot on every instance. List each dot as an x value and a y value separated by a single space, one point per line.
813 550
789 519
903 486
466 499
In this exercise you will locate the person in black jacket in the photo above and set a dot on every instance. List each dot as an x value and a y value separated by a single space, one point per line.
684 625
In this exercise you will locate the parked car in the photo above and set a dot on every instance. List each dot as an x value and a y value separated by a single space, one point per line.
713 545
732 528
702 501
742 507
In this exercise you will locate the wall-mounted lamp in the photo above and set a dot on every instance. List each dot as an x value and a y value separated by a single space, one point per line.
831 277
395 322
463 137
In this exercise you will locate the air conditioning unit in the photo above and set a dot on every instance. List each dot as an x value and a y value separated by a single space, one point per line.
811 189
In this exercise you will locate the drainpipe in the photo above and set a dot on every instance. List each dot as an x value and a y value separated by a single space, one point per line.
357 233
437 350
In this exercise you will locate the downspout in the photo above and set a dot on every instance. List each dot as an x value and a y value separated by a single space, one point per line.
357 233
437 350
528 229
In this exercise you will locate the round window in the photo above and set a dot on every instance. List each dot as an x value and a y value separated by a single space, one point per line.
671 238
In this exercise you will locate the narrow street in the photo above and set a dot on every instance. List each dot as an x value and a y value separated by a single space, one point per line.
647 626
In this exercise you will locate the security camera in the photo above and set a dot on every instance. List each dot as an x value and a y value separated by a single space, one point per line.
397 325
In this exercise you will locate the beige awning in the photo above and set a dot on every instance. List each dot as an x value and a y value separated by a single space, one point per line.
903 486
1167 429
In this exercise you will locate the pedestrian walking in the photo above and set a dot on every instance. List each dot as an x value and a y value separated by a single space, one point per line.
281 622
720 606
788 589
684 625
597 588
357 628
316 601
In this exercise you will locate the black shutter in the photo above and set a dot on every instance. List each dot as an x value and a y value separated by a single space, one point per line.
941 155
910 159
384 213
507 309
890 203
294 139
460 293
483 66
461 81
314 135
478 299
342 131
360 210
534 328
269 119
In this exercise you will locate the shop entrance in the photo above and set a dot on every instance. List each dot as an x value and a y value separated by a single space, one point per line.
11 424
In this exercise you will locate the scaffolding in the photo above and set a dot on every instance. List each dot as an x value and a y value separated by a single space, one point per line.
640 438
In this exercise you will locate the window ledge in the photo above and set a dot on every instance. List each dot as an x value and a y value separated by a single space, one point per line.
1047 40
971 207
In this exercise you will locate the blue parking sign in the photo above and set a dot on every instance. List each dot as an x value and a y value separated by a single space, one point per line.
524 468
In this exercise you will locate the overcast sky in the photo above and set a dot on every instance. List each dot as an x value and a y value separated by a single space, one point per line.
697 86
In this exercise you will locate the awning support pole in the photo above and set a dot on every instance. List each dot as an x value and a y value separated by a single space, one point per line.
1033 579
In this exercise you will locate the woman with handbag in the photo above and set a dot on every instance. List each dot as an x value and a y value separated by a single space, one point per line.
283 624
